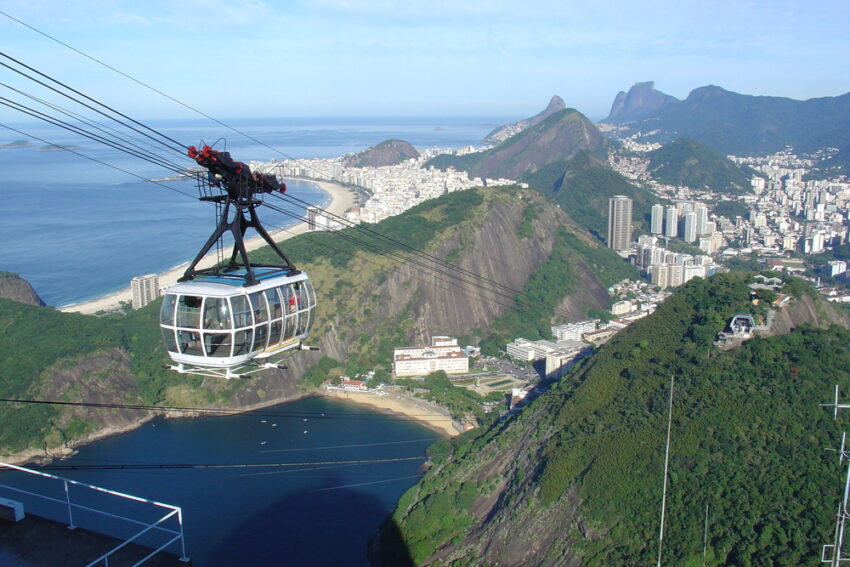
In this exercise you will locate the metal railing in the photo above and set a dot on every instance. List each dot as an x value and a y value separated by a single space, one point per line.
68 507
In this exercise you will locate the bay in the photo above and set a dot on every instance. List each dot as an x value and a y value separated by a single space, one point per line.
314 514
77 229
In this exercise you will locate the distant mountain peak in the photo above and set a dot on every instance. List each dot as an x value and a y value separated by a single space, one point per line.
641 101
502 133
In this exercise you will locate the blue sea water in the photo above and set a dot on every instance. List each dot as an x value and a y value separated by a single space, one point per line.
77 229
314 514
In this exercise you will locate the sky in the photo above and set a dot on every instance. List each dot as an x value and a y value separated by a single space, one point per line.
351 58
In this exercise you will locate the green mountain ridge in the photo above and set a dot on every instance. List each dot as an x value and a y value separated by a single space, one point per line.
560 136
575 478
692 164
739 124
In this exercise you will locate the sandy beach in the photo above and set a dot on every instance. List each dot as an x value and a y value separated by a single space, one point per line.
420 412
342 199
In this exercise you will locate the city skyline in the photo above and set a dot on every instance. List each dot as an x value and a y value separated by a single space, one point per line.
337 58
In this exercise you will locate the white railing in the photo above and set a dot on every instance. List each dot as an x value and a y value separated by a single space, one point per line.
68 507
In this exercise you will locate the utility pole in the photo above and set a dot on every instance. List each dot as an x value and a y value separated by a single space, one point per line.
837 555
666 468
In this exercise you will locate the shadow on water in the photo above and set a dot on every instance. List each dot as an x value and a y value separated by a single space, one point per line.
311 529
387 548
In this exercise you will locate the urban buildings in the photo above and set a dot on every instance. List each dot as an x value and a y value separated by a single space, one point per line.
145 289
443 354
619 223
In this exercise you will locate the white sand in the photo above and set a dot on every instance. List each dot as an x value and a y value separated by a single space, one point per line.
342 199
419 412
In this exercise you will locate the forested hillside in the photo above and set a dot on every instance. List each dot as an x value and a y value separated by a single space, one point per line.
576 477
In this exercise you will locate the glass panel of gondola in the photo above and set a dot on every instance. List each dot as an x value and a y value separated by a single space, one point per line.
261 333
189 342
189 311
241 341
241 311
166 314
168 337
217 313
289 327
274 334
273 299
217 344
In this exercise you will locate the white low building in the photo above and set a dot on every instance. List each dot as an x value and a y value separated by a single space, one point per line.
443 354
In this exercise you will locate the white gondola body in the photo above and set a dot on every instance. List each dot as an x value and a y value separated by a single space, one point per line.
219 324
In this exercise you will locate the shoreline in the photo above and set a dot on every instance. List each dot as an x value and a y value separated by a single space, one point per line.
418 411
341 200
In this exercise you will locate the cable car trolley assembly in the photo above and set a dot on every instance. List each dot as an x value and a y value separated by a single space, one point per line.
235 318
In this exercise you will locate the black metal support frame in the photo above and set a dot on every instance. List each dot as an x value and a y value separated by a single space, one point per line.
237 226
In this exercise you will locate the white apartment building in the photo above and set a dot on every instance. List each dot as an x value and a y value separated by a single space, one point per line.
573 331
145 289
443 354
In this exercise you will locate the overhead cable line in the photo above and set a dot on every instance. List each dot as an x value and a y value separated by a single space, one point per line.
101 162
221 412
87 134
105 129
159 466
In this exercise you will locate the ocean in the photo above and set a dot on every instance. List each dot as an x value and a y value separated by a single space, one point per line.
77 229
314 514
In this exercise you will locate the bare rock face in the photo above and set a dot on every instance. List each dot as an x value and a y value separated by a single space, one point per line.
16 288
389 152
641 101
502 133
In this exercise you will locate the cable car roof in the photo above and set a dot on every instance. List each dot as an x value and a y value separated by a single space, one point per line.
234 283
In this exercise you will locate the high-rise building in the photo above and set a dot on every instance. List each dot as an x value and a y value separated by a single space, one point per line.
145 289
619 222
657 224
690 227
702 219
672 222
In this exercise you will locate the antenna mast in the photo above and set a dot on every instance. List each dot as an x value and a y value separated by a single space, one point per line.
838 556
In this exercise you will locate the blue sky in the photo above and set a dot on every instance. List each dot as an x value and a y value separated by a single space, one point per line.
254 58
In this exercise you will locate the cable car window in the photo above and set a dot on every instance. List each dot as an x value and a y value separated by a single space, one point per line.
289 329
303 322
288 298
189 342
241 312
258 304
295 300
241 342
273 299
310 294
168 337
217 344
216 313
274 336
166 314
189 311
261 333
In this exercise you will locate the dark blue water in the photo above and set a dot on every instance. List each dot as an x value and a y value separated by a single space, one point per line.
79 229
312 515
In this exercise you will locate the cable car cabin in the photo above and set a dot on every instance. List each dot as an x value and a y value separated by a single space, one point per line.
216 326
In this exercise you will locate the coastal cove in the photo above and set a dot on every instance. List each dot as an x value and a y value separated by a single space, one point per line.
274 509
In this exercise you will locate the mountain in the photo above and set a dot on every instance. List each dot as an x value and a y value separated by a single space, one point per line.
388 152
690 163
502 133
14 287
368 304
641 101
575 478
733 123
581 186
558 137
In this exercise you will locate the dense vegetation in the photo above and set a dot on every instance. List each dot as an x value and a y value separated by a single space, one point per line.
582 186
748 442
692 164
560 136
733 123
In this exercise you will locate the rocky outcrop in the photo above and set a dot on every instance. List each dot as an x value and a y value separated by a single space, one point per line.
389 152
641 101
502 133
16 288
